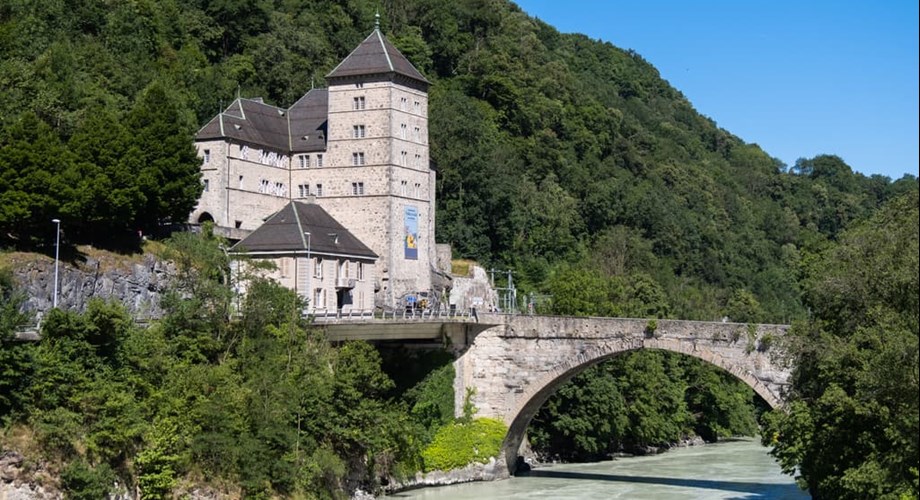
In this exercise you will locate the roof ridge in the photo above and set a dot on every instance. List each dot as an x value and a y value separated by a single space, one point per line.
386 52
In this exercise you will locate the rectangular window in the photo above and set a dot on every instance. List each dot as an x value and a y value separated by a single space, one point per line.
360 271
304 161
402 158
357 159
207 185
358 131
359 85
357 188
244 152
418 190
418 106
403 103
319 160
319 190
319 298
207 156
358 103
418 161
418 134
241 182
318 268
402 130
303 190
263 185
403 187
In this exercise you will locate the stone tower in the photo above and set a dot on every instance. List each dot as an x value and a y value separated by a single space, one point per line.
377 139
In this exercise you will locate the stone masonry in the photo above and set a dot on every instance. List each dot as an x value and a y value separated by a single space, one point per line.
515 366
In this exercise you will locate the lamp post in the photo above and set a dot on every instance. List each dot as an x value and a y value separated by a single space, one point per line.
57 255
310 270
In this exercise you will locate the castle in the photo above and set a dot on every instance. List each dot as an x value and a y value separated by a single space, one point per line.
357 155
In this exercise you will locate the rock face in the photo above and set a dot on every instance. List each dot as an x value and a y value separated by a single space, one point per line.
494 469
16 484
136 282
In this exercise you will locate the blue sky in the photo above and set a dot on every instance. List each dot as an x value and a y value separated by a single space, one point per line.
799 78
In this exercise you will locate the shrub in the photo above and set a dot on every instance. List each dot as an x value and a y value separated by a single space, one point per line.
458 444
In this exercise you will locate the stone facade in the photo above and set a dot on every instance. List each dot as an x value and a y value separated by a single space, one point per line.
366 163
516 365
319 279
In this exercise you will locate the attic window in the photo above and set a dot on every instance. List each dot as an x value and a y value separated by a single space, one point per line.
237 126
335 238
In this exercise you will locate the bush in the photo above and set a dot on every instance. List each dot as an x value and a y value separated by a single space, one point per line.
457 444
82 481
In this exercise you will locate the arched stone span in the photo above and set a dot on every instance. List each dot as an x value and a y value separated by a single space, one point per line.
205 217
515 366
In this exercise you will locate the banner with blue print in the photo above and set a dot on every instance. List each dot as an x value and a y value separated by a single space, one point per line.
411 237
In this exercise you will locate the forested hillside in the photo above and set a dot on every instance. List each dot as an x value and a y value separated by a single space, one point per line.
566 159
557 155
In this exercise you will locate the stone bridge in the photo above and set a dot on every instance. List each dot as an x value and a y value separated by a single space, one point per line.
515 365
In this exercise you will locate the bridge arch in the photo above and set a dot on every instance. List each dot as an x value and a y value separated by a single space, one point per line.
530 402
517 365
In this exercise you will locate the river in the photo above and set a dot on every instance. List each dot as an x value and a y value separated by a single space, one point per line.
739 469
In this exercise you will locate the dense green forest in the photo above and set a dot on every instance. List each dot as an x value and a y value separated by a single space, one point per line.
566 159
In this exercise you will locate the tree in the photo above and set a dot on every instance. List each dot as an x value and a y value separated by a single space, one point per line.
163 158
853 424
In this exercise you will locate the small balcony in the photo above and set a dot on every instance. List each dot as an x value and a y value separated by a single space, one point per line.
345 282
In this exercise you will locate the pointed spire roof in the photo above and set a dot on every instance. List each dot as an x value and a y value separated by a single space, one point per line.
287 229
376 55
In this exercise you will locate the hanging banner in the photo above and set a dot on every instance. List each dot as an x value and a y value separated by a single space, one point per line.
411 237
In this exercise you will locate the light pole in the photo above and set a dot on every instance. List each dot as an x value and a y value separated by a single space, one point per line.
57 255
310 270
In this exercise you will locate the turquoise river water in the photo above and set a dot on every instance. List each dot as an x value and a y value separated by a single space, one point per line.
730 470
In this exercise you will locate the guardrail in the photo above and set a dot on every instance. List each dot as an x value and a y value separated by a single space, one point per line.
325 315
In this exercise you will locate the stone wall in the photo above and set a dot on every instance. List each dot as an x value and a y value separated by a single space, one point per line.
136 283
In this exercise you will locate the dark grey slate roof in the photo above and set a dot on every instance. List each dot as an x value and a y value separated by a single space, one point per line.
376 55
253 122
285 232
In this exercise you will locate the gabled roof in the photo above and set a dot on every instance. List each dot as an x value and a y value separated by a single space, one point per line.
376 55
284 130
286 231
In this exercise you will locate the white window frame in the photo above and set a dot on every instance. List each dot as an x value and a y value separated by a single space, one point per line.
304 161
359 103
207 156
358 131
357 158
357 188
318 268
319 190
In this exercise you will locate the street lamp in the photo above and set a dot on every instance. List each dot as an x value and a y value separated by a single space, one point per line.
57 255
310 270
